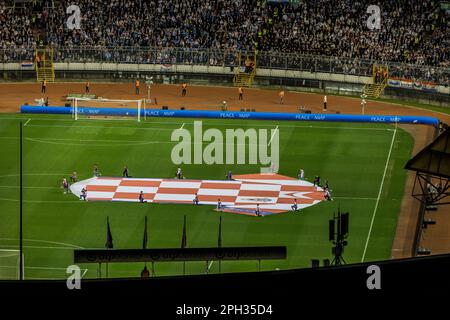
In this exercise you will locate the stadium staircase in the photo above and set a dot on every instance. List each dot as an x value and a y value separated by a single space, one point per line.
374 89
45 69
242 78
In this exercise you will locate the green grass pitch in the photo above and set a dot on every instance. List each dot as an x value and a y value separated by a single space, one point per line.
363 163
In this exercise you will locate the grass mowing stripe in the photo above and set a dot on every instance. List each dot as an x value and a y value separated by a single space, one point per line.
43 247
25 187
338 154
98 127
232 122
41 201
44 241
379 195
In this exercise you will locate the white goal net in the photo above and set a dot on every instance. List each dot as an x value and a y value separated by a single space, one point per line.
9 264
100 108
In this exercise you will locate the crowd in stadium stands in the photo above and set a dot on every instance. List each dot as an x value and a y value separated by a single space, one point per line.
412 32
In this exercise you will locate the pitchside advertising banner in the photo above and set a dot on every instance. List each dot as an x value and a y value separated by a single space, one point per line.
410 84
234 115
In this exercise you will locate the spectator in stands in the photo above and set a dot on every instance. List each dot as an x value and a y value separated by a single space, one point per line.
413 32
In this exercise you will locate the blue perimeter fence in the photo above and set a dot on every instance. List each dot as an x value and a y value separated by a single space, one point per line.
89 111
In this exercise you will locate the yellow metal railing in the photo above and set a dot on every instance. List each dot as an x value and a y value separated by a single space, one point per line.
44 65
379 81
244 78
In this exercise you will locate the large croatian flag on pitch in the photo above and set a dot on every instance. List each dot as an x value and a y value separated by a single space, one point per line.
273 192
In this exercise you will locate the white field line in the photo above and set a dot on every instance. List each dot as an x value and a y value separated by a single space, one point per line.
182 126
215 124
209 265
100 127
80 142
27 122
38 268
1 186
353 198
38 247
379 195
273 135
42 201
35 174
211 123
63 244
46 268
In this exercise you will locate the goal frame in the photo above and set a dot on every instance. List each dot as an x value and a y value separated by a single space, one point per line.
139 102
17 252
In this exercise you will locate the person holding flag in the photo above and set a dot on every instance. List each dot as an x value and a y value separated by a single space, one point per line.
184 242
195 199
109 238
294 206
145 272
219 241
257 211
184 237
145 240
83 194
141 197
65 186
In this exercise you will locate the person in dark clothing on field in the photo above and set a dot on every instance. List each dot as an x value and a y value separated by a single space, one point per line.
258 211
83 194
141 197
195 201
317 181
125 172
145 273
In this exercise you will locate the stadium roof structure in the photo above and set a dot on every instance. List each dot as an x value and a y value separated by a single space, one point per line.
432 167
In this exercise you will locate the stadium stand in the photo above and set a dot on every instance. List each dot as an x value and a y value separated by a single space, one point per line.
413 33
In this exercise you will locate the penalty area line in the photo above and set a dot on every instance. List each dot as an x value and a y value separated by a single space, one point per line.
379 195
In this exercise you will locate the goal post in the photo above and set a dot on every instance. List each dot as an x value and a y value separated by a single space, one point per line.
87 108
10 265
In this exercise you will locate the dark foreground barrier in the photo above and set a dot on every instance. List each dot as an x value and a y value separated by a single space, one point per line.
89 111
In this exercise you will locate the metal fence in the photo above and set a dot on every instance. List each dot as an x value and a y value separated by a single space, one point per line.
229 58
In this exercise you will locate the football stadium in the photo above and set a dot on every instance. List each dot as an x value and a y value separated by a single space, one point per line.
146 139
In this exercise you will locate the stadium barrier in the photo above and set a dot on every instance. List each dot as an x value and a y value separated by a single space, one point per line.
89 111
